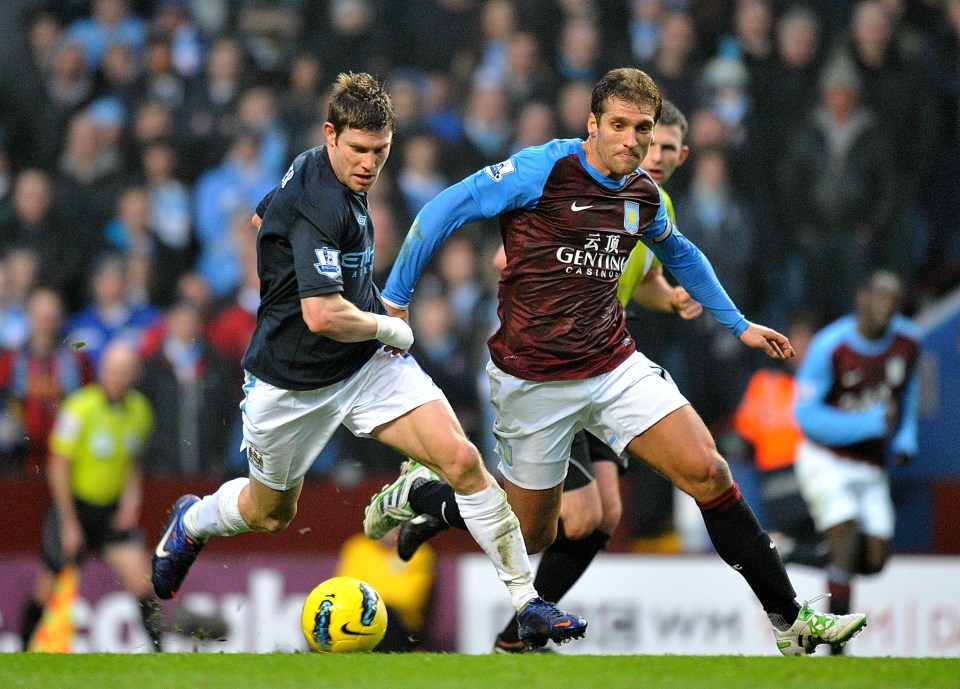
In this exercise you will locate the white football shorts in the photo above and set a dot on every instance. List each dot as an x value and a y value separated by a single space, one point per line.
285 430
536 421
839 489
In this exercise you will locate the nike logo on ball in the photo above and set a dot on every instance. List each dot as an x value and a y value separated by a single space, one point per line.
575 208
346 630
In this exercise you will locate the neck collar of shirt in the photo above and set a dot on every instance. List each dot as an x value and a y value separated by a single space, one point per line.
608 182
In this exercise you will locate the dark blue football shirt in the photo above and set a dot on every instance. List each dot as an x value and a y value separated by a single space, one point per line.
316 238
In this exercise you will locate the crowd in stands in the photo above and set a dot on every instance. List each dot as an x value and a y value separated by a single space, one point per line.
138 136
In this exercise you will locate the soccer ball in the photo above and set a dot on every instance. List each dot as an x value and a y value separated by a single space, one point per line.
343 615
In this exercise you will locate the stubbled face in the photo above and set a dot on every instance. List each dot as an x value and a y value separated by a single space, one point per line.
357 156
666 153
618 140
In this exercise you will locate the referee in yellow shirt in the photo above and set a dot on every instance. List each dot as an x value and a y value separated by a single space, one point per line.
95 486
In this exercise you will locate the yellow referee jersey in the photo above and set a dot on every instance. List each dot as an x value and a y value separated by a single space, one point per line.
101 441
641 259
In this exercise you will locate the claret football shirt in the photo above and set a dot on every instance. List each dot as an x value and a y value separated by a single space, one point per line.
567 231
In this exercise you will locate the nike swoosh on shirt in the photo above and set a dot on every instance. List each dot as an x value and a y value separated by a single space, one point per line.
575 208
161 546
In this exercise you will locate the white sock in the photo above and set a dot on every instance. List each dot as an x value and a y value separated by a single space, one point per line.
217 514
496 529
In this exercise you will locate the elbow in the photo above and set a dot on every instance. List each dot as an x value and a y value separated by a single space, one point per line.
319 324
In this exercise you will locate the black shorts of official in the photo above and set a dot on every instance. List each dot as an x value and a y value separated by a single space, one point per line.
585 450
98 532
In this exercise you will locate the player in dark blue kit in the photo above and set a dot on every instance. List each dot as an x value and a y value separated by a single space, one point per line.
857 405
570 212
325 353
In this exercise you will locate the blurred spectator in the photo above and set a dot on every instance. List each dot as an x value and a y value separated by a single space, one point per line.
225 198
839 192
487 129
432 35
528 75
20 266
257 112
458 269
535 125
579 54
573 107
173 18
34 379
34 226
160 81
88 184
444 355
942 195
406 92
110 315
270 30
119 74
673 66
110 22
14 326
899 93
299 102
69 84
646 21
212 100
782 97
725 82
718 221
189 386
130 234
498 25
441 117
44 32
351 41
419 180
752 39
169 218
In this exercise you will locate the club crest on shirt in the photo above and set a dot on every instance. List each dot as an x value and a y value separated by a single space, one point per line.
631 216
896 370
328 262
496 172
255 457
505 451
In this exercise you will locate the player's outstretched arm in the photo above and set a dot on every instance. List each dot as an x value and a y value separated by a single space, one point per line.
656 294
772 343
333 316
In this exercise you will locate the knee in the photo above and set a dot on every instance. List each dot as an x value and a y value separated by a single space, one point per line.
539 536
710 478
580 525
462 468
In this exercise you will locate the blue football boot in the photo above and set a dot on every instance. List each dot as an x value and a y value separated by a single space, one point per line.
175 552
541 622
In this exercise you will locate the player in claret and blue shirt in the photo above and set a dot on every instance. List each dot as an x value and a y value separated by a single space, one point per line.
857 405
570 212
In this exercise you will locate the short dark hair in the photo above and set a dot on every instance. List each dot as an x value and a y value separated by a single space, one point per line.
627 84
361 102
670 116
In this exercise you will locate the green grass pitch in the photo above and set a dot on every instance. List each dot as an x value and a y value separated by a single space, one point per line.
442 671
